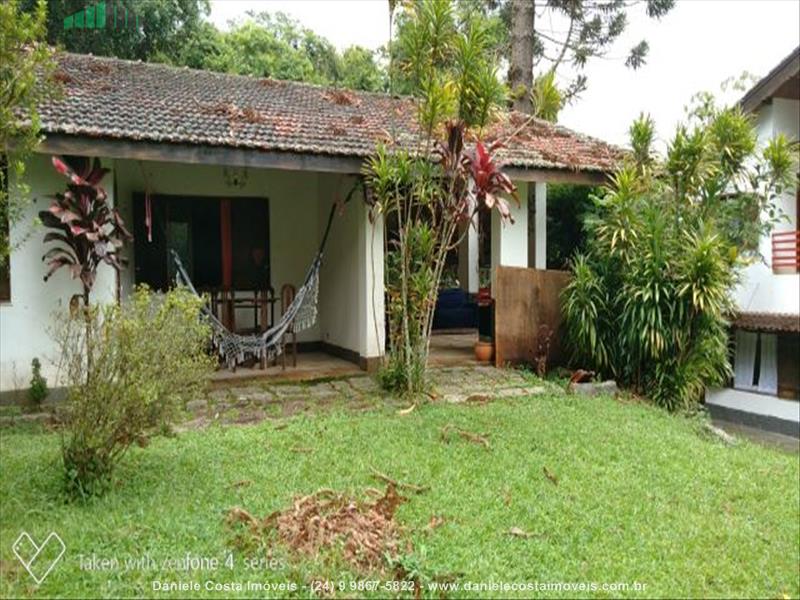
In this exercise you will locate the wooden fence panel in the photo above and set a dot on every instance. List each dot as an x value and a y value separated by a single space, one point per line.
526 299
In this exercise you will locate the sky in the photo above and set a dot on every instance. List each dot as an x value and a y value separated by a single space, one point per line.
695 47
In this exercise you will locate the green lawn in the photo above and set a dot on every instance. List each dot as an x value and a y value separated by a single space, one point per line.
641 496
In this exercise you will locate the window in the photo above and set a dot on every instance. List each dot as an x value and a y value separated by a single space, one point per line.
5 266
756 362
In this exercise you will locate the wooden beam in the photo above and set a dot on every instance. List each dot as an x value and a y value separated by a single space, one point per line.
199 155
557 176
58 143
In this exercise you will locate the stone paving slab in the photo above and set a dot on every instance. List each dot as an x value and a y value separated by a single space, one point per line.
250 403
452 385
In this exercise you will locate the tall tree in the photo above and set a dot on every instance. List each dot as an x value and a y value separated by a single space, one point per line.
520 73
25 65
275 45
359 70
152 28
590 29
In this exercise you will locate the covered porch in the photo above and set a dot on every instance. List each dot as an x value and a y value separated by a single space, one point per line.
244 232
247 237
248 226
448 349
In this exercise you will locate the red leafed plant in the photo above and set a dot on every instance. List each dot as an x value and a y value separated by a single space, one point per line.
431 201
489 181
474 179
87 230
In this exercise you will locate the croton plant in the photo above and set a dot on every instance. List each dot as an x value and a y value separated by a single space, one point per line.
87 231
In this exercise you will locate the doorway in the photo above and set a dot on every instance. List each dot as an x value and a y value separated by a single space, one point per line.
223 243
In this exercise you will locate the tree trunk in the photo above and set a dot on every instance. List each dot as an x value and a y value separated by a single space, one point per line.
520 74
88 325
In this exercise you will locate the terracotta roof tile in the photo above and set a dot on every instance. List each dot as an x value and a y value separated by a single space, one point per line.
760 321
113 98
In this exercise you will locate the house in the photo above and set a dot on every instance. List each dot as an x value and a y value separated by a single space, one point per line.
766 331
238 174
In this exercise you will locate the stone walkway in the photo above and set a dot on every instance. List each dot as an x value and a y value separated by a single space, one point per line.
256 401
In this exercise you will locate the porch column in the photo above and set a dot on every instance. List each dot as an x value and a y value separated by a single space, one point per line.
468 257
540 220
371 289
510 241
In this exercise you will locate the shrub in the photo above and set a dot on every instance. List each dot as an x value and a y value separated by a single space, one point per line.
148 356
430 196
650 296
38 391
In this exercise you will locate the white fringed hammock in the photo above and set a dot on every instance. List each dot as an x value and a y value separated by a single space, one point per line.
234 348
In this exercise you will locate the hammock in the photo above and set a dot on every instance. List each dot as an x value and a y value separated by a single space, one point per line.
234 348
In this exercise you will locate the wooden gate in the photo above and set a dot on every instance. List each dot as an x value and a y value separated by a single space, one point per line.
526 299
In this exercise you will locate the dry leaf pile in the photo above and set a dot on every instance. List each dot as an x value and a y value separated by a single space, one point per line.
366 532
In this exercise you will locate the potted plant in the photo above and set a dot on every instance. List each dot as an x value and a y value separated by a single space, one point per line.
484 347
485 286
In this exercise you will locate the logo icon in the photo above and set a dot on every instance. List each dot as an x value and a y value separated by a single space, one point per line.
39 559
102 15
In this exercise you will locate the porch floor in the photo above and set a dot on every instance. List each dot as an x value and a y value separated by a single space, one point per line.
757 411
448 349
453 347
310 365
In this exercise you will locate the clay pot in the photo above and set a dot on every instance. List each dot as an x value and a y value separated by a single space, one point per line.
484 351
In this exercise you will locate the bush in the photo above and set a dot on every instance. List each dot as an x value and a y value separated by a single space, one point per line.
568 206
38 390
650 296
129 369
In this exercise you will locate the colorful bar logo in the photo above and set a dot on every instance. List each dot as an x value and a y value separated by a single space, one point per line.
101 15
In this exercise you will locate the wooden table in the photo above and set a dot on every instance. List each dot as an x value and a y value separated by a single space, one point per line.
262 302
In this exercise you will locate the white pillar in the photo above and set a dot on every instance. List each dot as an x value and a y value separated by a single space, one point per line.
468 257
541 225
371 286
510 241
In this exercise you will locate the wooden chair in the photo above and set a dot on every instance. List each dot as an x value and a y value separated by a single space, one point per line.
288 293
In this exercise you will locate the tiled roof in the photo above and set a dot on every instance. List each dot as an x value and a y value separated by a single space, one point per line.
119 99
776 80
760 321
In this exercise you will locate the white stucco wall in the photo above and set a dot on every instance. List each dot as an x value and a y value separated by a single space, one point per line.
351 307
510 240
761 290
26 322
540 225
338 277
469 256
753 402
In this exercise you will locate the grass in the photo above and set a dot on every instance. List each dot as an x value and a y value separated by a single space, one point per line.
641 496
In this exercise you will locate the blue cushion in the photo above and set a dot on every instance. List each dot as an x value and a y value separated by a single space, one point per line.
454 310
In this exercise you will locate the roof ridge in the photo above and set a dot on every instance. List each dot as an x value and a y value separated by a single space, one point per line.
224 74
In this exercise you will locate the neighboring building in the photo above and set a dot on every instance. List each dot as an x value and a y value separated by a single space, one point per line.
766 385
241 174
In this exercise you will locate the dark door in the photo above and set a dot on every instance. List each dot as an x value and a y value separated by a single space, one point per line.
224 244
